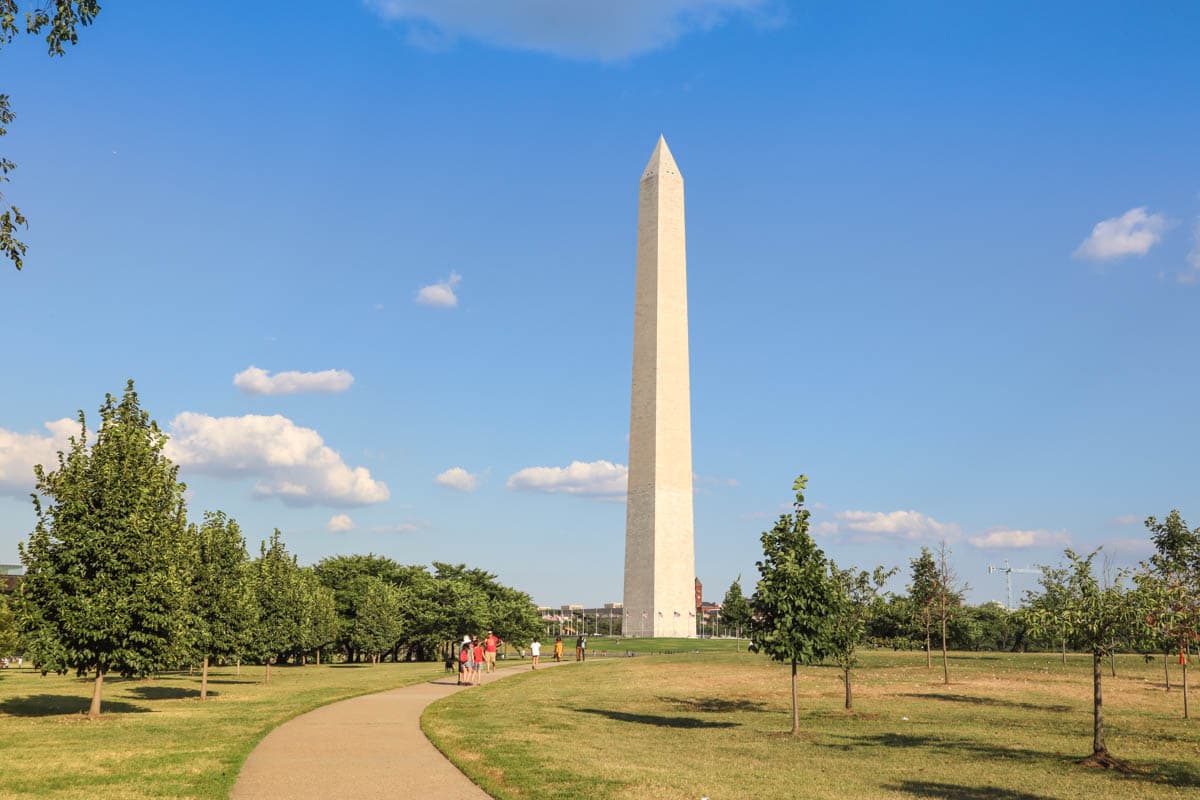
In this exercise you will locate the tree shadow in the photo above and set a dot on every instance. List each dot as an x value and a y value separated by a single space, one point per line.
1181 774
714 705
951 791
53 705
166 692
653 719
348 666
986 701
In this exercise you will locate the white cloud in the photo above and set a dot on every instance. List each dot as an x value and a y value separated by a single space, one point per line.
253 380
458 478
1131 234
1004 537
1127 519
339 523
290 462
591 479
19 452
612 29
910 526
440 295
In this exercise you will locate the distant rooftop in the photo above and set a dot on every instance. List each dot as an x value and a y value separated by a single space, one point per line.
11 569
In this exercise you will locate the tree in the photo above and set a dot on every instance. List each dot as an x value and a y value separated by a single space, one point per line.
221 596
1170 588
735 609
1051 601
948 594
9 636
1095 617
859 596
62 27
107 582
794 599
923 594
276 590
320 614
377 624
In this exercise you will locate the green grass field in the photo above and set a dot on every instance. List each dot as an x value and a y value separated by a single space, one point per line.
714 724
155 738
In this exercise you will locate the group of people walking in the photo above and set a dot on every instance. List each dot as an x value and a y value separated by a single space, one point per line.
476 657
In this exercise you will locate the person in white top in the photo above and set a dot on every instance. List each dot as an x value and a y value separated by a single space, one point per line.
535 650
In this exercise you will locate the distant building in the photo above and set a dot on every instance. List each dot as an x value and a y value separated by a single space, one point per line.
10 577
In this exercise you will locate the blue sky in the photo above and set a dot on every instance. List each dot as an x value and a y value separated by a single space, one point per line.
943 259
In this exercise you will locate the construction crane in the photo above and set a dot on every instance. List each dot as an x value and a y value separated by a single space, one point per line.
1008 570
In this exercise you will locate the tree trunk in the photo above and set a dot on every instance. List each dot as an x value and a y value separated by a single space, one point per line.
318 661
1167 672
945 658
267 678
795 707
1112 662
1064 649
1185 690
94 710
928 649
849 693
239 668
1098 748
204 679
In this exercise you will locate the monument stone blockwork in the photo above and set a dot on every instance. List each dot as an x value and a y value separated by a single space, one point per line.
660 566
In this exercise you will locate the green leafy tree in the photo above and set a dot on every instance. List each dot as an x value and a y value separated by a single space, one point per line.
10 638
735 608
1095 616
107 582
1050 602
276 579
222 599
794 601
60 20
320 614
377 623
859 598
922 593
1170 589
948 597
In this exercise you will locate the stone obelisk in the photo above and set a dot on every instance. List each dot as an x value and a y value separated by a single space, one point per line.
660 566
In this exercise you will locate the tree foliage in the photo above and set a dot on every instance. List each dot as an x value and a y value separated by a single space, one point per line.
107 580
922 593
60 20
794 601
1096 616
735 608
223 608
860 597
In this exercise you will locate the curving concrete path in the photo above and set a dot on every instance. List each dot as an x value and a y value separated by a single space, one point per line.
369 746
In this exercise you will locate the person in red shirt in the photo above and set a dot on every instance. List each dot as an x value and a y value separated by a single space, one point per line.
478 655
489 651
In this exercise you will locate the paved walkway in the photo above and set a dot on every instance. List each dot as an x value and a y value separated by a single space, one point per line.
369 746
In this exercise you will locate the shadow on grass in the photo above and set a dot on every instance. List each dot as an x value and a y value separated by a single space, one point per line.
1174 773
166 692
53 705
986 701
951 791
653 719
714 705
348 666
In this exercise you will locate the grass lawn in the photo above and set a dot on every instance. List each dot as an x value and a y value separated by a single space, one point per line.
1008 727
155 738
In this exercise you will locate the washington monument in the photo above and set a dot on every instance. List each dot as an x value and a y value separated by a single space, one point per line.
660 564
